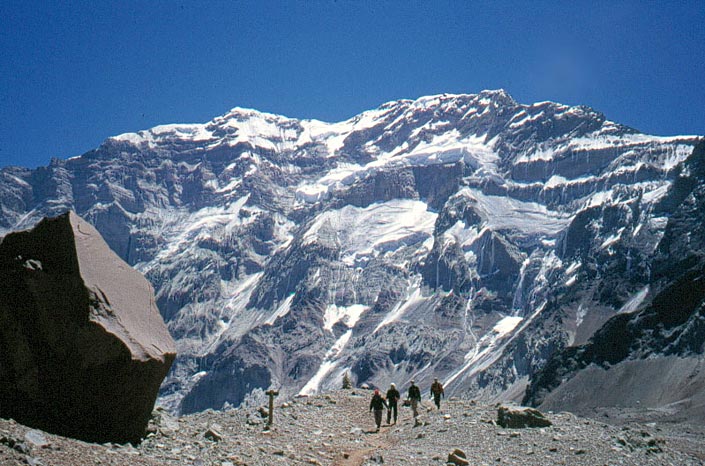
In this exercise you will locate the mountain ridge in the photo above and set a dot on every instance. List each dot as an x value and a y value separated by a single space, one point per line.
464 236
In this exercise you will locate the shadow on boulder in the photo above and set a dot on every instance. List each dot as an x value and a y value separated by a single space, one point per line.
83 348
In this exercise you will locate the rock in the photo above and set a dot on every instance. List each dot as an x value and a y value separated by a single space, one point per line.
213 434
521 417
253 421
14 443
263 412
457 457
36 439
83 347
168 424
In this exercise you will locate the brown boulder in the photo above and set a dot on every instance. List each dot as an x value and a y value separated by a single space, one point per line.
83 348
521 417
457 457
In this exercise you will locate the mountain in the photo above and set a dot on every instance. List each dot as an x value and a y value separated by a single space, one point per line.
653 353
468 237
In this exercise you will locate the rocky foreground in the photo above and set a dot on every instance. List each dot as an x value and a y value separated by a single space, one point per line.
337 429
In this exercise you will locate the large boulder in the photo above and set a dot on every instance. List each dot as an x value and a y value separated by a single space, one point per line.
520 417
83 348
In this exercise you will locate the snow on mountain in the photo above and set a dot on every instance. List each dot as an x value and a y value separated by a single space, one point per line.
468 237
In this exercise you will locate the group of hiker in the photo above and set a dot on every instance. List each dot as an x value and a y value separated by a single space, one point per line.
390 402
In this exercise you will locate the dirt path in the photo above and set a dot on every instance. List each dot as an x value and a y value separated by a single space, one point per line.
374 442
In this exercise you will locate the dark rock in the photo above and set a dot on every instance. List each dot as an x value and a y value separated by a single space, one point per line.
83 348
263 412
457 457
519 418
14 443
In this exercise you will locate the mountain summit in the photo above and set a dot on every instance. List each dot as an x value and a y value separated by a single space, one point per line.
466 237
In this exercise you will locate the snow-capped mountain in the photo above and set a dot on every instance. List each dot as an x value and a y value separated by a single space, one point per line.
467 237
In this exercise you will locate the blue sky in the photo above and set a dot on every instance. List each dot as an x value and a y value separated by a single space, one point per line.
73 73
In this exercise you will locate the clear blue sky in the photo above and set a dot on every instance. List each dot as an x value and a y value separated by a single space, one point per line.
73 73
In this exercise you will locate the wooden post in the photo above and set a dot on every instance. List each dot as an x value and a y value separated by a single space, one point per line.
272 394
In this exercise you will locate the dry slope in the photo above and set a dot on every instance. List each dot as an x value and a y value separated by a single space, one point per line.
337 429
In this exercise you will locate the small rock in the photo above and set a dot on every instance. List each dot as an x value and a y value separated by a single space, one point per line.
36 439
458 457
22 448
213 434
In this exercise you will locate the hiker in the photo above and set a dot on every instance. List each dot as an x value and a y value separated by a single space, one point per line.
436 392
414 397
393 396
378 404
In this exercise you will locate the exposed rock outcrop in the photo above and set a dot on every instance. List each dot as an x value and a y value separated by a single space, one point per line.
651 353
83 348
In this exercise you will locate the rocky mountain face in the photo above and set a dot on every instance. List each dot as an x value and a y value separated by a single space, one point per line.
467 237
651 353
83 349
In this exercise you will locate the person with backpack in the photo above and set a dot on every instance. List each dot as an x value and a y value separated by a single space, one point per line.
436 392
393 396
378 404
414 396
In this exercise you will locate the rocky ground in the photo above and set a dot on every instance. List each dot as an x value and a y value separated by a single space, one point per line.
337 429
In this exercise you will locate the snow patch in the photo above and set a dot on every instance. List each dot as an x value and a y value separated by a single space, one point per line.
348 314
370 231
282 310
506 325
635 301
505 213
329 363
413 298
